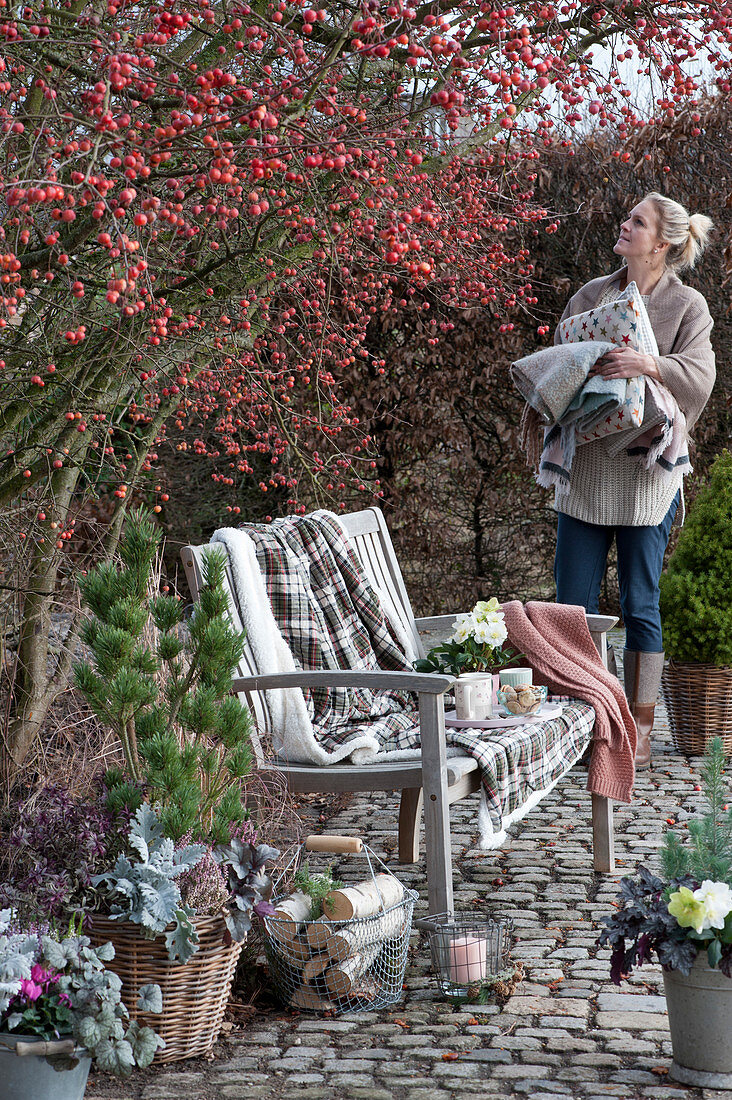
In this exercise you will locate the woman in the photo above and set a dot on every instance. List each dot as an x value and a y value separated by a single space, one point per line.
613 496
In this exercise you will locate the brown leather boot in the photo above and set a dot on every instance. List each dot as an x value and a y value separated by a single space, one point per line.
642 675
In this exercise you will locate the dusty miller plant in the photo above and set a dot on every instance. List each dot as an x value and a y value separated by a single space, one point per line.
143 889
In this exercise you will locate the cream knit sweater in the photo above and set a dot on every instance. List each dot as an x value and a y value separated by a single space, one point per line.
617 491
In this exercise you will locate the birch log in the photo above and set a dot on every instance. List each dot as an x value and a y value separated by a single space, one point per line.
343 977
296 951
289 917
340 942
314 967
363 900
317 933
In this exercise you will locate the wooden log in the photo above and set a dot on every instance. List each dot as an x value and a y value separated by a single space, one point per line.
296 952
317 933
364 899
289 917
342 942
314 967
307 998
343 977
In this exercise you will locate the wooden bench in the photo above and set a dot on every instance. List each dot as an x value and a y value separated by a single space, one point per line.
429 785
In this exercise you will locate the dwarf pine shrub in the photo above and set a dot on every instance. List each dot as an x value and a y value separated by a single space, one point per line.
164 688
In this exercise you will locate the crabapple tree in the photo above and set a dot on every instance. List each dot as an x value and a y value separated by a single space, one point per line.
190 186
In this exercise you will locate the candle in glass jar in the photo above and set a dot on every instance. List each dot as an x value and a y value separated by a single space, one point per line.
467 958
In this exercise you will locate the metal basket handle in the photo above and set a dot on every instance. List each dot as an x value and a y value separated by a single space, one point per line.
335 844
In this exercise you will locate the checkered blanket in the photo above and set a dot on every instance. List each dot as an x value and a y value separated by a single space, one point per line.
521 763
331 618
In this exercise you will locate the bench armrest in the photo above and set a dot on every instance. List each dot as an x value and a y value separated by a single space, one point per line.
428 683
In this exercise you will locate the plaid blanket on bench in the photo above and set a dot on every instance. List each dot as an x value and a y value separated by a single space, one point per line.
330 617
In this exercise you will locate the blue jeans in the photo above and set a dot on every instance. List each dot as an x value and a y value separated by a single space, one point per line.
579 566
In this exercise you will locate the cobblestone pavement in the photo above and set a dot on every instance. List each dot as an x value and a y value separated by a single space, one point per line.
566 1030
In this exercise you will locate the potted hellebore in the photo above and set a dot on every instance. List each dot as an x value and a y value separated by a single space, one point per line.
476 645
177 901
685 919
60 1009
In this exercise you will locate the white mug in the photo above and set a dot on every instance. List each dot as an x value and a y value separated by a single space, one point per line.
473 696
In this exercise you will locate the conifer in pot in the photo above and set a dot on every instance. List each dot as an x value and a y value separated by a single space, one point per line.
162 683
696 611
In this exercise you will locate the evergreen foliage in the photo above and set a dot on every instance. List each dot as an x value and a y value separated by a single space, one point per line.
164 688
708 853
317 886
696 590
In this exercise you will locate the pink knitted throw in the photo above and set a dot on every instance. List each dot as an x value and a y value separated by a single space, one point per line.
559 648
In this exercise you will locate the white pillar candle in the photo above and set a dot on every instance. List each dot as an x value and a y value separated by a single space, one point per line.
467 958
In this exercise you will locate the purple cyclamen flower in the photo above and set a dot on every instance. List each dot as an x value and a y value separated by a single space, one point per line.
43 976
30 989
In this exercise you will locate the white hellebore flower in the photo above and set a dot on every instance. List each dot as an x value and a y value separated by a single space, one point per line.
462 628
491 634
488 610
717 899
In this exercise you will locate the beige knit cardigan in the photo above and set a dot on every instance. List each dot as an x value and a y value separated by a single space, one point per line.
615 491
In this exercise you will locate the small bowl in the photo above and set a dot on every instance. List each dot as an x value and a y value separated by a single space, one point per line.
522 700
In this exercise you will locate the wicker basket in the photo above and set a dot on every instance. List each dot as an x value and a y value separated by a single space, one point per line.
195 994
699 704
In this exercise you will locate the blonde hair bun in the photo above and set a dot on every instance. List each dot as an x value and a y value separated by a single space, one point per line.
687 235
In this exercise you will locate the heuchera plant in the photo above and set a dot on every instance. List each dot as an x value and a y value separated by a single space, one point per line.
56 988
691 909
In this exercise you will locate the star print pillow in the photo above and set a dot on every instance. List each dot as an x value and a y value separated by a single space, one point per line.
624 322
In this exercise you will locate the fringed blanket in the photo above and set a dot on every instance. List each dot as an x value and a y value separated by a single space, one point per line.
306 603
559 648
544 379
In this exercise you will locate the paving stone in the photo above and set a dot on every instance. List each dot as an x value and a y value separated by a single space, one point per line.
633 1021
555 1006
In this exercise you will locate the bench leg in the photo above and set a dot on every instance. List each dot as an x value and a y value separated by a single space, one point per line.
436 804
603 835
410 817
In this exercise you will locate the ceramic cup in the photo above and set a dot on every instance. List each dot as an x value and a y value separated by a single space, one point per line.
474 696
516 677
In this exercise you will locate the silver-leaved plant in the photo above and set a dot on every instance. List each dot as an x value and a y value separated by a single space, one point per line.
142 888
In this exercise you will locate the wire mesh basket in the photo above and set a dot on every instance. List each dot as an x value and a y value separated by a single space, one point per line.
468 954
331 965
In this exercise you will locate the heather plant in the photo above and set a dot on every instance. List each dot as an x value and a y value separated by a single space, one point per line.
54 848
696 589
163 686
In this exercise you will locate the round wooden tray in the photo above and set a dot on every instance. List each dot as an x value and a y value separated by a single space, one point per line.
543 714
